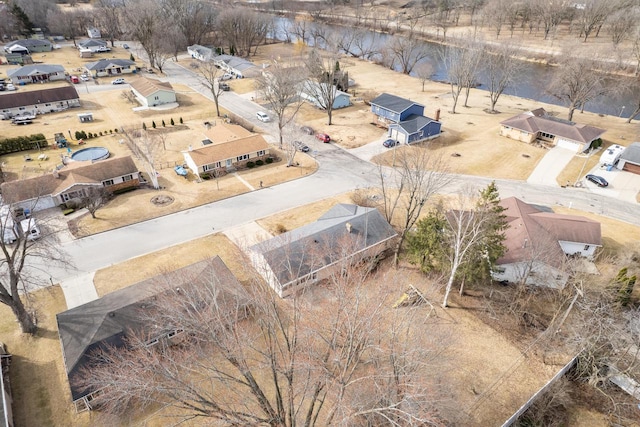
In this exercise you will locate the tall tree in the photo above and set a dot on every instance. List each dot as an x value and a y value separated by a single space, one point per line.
145 24
243 30
32 13
592 15
280 87
461 64
406 52
501 68
211 80
253 359
323 72
109 18
194 19
70 23
23 21
405 191
550 12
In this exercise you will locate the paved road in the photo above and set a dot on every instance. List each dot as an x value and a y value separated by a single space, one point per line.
339 171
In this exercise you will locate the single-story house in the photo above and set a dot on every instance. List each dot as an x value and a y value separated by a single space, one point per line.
111 67
94 33
36 73
415 128
201 53
226 156
611 155
18 58
316 93
303 256
239 67
539 243
58 187
31 46
387 109
107 322
539 125
630 158
92 44
153 92
39 101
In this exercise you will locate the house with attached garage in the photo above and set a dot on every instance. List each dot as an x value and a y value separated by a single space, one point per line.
28 46
151 92
40 101
318 93
630 159
111 67
226 148
540 244
201 53
538 125
36 73
108 322
70 182
236 66
345 235
92 44
415 129
388 109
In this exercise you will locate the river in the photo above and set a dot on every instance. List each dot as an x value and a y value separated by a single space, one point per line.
531 82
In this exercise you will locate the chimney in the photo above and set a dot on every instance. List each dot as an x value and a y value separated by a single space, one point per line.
438 115
190 147
524 245
56 174
348 225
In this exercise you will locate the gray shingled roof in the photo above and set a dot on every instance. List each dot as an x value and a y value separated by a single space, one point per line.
107 320
393 103
299 252
35 69
414 123
104 63
29 43
35 97
632 153
92 42
540 121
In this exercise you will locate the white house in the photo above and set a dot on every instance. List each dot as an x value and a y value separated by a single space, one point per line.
36 73
317 93
539 243
40 101
201 53
94 33
236 66
92 44
110 67
153 92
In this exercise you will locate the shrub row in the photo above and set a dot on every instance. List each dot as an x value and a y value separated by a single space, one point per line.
80 134
23 143
154 125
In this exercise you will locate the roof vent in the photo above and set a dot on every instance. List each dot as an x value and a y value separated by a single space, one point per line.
112 314
348 225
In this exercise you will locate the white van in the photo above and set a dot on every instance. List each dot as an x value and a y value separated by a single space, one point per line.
263 117
30 228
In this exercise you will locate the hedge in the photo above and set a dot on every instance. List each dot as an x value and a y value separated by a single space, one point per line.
23 143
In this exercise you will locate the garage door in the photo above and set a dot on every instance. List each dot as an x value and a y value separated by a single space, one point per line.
398 136
570 145
630 167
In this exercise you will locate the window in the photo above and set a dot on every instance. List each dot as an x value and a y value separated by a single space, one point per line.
586 247
156 98
127 178
107 182
546 135
22 108
261 153
47 105
243 157
211 166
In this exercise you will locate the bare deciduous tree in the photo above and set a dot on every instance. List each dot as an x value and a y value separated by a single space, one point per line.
145 24
243 30
502 69
406 52
211 79
323 72
193 19
70 23
94 199
108 19
592 15
461 64
280 87
404 192
254 359
423 71
550 12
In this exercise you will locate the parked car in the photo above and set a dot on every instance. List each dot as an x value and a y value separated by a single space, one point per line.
10 86
1 87
126 46
118 81
226 76
307 129
84 78
103 49
225 87
301 146
323 137
75 79
390 143
263 117
598 180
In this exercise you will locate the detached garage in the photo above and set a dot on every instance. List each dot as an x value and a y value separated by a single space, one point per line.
630 159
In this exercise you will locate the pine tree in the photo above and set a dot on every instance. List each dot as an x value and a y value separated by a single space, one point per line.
23 20
163 124
172 122
181 122
425 245
153 124
144 126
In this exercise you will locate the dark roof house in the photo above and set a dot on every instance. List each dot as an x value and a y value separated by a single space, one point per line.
39 101
32 45
388 108
108 321
291 260
538 124
415 128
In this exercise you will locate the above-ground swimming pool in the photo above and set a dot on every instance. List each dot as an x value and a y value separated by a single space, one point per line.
91 153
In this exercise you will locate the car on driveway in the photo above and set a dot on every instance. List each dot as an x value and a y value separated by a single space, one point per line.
84 78
301 146
597 180
10 87
226 76
126 46
118 81
390 143
323 137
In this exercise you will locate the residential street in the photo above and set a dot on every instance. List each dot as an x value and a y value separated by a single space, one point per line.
339 171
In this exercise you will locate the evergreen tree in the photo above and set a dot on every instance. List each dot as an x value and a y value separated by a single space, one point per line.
24 22
172 122
153 124
425 246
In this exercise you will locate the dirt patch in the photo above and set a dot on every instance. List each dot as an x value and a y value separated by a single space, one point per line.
162 200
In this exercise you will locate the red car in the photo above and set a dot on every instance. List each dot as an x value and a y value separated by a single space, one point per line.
323 137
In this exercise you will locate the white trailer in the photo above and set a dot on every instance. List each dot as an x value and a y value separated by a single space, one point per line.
30 228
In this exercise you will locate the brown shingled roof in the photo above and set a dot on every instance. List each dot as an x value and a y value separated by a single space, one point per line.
540 121
529 227
224 132
33 97
76 173
228 150
148 87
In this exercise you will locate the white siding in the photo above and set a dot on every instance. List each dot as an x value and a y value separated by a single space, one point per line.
34 205
571 248
532 273
191 164
564 143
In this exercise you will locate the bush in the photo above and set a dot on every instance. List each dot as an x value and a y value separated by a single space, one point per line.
250 165
89 135
100 133
110 130
259 163
80 134
153 124
68 211
116 130
281 229
269 160
172 122
144 126
205 176
163 124
131 57
181 122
